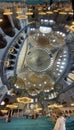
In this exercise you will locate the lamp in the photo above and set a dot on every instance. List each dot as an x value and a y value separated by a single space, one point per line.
1 17
72 104
18 10
55 106
64 13
1 20
49 12
7 12
21 17
29 13
11 106
42 13
4 111
24 100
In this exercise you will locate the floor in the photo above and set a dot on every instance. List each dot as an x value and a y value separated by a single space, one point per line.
32 124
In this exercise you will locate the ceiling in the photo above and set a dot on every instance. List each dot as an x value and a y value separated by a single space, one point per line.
38 54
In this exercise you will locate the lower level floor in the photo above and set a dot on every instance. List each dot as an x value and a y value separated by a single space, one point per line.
43 123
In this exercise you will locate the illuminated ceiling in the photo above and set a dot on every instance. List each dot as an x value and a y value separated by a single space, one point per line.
36 53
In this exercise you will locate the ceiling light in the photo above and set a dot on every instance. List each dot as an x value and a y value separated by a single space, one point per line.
60 70
29 13
49 12
21 17
24 100
51 22
54 40
60 56
40 84
42 13
55 11
58 62
17 86
72 23
61 67
58 74
63 13
63 35
6 63
57 69
45 82
64 59
46 20
57 65
12 106
63 63
72 104
41 20
34 85
7 12
71 13
1 20
49 8
28 82
18 10
4 111
24 78
58 32
59 59
44 29
2 103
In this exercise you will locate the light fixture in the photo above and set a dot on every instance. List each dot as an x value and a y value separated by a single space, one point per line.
18 10
39 8
64 13
1 20
72 104
29 13
44 29
6 63
30 9
70 13
1 17
42 13
4 111
55 106
11 106
11 50
37 109
51 22
7 12
21 17
71 28
73 23
55 11
49 12
24 100
2 103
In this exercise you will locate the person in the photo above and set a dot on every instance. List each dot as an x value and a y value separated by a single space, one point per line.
53 117
60 122
8 117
